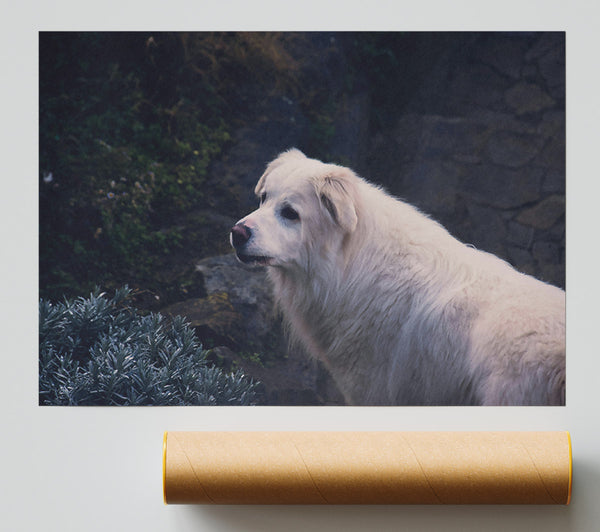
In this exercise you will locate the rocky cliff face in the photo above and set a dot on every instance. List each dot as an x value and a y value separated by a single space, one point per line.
481 147
476 139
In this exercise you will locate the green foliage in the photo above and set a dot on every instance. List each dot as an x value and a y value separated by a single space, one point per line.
127 133
97 351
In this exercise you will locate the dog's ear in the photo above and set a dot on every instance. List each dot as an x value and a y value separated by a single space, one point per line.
293 153
336 194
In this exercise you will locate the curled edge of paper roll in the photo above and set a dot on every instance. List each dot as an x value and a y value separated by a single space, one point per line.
367 467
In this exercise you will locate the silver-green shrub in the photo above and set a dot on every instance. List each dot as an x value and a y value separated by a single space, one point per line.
98 351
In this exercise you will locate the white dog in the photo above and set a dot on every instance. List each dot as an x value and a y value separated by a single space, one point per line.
399 311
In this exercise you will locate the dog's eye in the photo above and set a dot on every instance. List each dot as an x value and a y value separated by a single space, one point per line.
263 197
290 214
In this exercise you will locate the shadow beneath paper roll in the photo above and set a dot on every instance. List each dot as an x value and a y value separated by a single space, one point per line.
381 518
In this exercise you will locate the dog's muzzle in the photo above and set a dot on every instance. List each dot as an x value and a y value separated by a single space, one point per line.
240 234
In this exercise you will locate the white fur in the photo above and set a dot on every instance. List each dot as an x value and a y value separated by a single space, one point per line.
399 311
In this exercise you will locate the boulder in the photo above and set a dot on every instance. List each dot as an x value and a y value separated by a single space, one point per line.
544 214
526 98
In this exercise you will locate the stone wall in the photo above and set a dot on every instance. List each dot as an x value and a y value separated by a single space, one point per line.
481 148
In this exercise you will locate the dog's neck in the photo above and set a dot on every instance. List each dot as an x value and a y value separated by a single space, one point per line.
307 297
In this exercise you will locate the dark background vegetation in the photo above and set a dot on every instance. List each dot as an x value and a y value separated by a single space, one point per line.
150 145
130 124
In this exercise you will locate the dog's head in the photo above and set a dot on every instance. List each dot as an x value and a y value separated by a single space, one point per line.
306 207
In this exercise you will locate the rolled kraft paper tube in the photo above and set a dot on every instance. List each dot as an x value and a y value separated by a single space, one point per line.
367 467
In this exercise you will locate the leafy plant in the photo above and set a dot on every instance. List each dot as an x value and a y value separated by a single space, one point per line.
127 132
98 351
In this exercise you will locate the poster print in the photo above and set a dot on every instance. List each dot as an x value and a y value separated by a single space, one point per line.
380 191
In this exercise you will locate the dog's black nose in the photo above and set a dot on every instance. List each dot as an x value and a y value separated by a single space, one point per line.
240 234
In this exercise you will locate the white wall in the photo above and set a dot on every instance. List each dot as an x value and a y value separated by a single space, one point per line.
96 469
